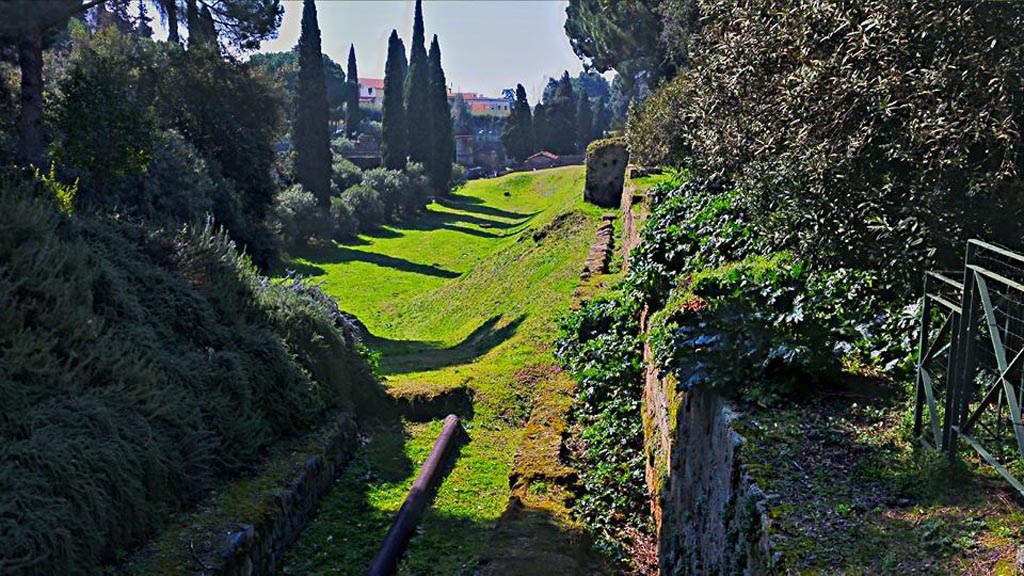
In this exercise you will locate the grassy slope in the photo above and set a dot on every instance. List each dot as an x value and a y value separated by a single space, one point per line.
465 296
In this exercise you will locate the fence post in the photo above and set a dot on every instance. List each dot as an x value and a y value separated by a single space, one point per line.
922 351
962 380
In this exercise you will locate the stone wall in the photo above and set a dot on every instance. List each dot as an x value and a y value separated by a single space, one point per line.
710 516
260 549
606 172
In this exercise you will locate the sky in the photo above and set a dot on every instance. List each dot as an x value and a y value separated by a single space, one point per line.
486 45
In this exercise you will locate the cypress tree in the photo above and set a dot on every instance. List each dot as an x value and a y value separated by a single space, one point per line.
442 138
541 129
393 129
352 106
518 136
311 131
561 117
584 122
417 95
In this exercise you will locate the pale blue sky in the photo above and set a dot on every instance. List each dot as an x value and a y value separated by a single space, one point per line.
486 45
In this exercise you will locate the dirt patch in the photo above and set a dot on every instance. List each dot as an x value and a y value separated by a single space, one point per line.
848 490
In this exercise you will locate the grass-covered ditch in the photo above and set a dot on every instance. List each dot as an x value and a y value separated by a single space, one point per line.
462 301
139 369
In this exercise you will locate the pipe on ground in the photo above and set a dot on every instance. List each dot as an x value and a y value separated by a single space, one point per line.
385 563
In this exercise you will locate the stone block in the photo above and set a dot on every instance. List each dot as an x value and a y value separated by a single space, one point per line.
606 172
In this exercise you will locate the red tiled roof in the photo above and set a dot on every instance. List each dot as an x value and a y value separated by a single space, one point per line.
376 83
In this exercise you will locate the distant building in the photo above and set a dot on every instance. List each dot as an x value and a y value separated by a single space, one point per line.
483 105
543 159
464 149
371 91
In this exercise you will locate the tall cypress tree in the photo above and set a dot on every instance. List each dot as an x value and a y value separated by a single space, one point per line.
541 128
518 136
442 138
417 95
311 131
561 116
584 122
352 117
393 129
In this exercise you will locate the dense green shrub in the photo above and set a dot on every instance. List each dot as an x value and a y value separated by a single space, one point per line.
458 179
886 158
346 225
344 174
138 368
365 204
403 192
600 346
296 217
764 328
692 225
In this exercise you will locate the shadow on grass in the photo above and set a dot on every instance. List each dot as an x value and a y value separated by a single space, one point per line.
879 504
404 356
338 254
475 205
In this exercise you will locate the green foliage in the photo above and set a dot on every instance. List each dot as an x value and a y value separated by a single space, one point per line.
394 132
442 154
691 226
105 118
310 131
657 129
297 217
344 174
403 193
365 204
417 95
139 120
885 159
352 115
559 120
584 121
63 193
140 368
345 222
283 67
458 179
518 135
600 346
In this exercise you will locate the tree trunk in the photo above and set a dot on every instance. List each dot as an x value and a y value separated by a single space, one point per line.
30 59
172 20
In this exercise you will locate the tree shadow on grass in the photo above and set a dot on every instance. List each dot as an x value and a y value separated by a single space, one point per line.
475 205
337 254
405 356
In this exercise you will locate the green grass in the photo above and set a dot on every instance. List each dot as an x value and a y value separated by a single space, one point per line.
465 296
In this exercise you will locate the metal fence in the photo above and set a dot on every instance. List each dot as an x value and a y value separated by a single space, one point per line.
970 373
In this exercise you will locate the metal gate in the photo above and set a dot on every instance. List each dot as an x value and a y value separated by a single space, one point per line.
970 378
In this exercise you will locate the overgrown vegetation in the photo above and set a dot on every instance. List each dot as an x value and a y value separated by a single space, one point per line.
138 370
600 346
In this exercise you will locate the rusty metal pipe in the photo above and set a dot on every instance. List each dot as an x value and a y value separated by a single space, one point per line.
386 561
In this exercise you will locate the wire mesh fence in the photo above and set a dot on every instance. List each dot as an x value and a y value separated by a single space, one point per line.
970 373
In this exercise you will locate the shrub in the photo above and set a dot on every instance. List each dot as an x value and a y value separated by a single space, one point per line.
403 192
458 179
346 225
365 204
885 159
140 368
345 174
600 346
297 217
691 226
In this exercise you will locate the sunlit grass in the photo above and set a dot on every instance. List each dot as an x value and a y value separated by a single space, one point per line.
465 296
